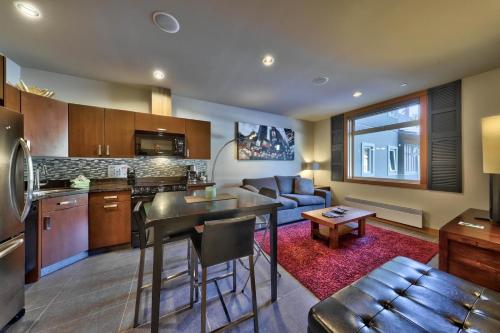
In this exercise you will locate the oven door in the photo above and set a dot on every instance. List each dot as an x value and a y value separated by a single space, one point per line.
159 144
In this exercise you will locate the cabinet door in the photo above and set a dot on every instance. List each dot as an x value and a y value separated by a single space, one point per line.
198 139
12 98
109 223
155 123
119 127
45 125
86 131
65 233
2 79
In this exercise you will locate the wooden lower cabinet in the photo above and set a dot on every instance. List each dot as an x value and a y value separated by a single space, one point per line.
110 214
63 228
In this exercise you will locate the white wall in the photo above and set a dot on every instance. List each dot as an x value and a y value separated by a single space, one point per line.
78 90
229 170
480 98
13 72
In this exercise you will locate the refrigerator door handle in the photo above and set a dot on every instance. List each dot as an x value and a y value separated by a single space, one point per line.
29 192
6 249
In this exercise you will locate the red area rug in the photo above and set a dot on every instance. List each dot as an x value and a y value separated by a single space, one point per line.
324 271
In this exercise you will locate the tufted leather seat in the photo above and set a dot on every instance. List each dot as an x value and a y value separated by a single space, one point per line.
404 295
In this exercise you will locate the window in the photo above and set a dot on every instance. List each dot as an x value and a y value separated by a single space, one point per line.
368 159
384 142
392 160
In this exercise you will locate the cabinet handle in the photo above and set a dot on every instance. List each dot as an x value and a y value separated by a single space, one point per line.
110 206
47 225
187 152
110 197
107 150
63 203
99 150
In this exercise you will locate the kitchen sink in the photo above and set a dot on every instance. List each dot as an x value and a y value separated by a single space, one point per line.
42 192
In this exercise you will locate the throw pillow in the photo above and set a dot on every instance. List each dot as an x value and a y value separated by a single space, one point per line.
303 186
251 188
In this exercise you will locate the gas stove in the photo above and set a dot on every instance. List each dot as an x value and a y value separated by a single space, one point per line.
153 185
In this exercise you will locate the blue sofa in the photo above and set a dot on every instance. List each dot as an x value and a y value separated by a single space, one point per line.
292 204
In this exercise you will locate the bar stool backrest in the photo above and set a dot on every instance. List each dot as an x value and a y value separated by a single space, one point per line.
225 240
139 216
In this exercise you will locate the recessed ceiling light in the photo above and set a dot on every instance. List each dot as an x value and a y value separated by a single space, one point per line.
27 9
403 84
357 93
320 80
268 60
158 74
166 22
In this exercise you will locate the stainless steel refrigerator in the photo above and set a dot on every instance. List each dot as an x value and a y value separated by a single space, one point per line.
15 202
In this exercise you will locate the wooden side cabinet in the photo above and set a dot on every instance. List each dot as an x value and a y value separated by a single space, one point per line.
12 98
45 125
198 139
110 214
471 252
63 228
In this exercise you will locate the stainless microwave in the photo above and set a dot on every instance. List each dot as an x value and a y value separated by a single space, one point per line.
159 144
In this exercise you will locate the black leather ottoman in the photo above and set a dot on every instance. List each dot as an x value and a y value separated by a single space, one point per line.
403 296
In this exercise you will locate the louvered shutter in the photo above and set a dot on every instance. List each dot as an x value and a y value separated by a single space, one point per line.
337 144
445 138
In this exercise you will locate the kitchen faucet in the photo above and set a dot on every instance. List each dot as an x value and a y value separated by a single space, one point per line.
38 183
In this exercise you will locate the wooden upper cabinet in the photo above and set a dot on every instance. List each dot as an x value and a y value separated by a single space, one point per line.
12 99
2 79
119 127
86 131
198 138
45 125
157 123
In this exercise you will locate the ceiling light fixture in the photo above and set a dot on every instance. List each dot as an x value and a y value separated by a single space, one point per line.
27 9
158 74
357 94
268 60
166 22
403 84
320 80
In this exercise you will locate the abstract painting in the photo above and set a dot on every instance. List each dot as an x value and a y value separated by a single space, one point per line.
262 142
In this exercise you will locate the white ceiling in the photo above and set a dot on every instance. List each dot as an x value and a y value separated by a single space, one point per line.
367 45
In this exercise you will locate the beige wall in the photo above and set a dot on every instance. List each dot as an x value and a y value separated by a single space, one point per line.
78 90
480 98
230 171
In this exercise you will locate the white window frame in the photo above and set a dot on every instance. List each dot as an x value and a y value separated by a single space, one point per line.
394 149
371 171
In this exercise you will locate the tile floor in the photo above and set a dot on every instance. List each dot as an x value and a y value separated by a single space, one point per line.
98 295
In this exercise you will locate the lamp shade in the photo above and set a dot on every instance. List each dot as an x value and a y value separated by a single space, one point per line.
313 166
491 144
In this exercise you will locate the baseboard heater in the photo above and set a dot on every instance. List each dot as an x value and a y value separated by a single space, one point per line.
400 214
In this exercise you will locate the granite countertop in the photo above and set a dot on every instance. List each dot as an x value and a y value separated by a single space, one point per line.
62 188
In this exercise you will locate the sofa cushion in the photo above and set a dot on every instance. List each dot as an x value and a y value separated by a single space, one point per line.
259 183
305 200
404 295
287 203
285 183
303 186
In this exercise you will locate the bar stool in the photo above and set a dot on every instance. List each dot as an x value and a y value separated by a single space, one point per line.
218 242
146 240
265 226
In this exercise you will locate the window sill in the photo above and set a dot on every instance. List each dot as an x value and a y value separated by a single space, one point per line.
390 183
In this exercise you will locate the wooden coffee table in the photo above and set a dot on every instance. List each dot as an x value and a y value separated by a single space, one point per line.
353 219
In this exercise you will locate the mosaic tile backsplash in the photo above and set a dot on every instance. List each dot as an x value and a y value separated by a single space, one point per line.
97 168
